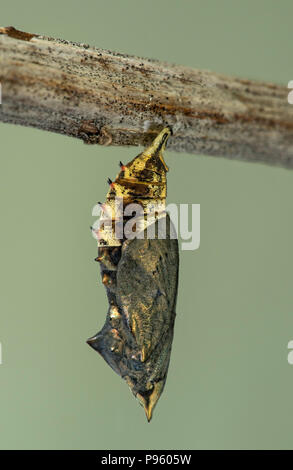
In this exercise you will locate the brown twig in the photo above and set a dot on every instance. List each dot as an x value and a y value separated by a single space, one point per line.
114 99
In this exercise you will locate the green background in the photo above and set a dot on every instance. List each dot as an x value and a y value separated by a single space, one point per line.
229 383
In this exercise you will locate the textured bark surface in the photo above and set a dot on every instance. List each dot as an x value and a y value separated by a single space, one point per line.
114 99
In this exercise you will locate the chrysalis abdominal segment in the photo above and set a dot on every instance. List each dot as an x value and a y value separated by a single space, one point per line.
141 277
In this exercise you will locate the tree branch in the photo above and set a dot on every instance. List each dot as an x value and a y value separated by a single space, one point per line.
108 98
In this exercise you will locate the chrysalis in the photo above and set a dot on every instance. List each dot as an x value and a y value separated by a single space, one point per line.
140 275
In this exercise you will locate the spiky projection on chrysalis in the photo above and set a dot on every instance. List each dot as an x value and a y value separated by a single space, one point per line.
141 277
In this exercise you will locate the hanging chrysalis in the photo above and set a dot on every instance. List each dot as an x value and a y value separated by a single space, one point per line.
140 275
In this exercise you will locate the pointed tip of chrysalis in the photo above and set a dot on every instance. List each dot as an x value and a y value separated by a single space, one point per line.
91 340
150 398
94 342
148 412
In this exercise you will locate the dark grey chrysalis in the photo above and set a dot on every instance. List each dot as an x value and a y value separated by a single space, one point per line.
141 279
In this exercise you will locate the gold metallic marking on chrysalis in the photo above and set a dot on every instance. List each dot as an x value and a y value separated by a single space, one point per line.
144 177
114 312
106 279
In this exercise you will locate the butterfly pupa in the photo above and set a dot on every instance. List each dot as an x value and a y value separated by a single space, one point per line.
141 278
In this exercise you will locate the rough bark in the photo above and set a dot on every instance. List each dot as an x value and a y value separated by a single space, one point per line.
114 99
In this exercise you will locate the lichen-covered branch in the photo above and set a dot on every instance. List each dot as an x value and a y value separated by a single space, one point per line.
114 99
